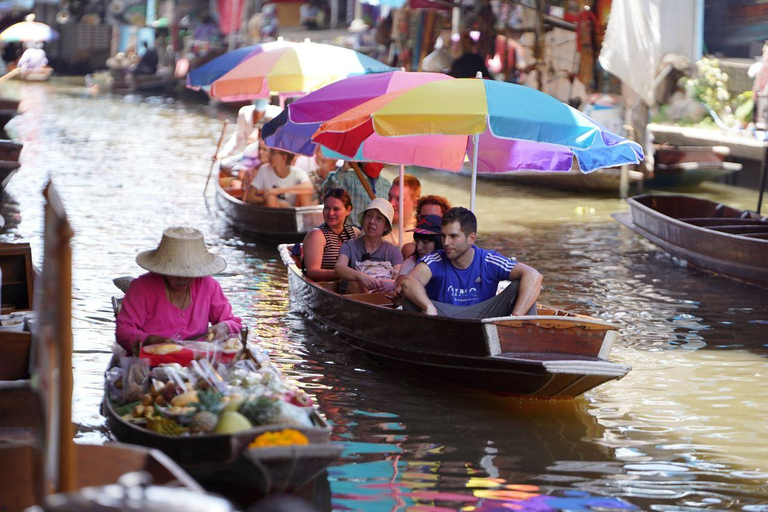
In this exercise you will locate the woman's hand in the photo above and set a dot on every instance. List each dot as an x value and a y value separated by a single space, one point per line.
153 339
218 331
370 284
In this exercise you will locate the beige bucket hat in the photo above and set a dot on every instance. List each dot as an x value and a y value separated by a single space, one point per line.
181 253
384 207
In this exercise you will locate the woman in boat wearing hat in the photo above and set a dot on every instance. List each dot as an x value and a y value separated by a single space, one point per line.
376 221
177 299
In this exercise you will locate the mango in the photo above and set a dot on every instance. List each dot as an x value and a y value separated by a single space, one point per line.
232 422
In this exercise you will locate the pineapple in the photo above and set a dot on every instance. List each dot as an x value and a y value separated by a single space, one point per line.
208 406
261 411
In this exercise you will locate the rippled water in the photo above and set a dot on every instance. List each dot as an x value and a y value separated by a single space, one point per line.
685 430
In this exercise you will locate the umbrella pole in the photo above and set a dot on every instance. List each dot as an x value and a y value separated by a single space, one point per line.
476 143
400 204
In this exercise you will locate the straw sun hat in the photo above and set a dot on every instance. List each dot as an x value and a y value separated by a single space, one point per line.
181 253
383 206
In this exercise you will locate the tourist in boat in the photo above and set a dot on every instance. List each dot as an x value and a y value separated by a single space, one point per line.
320 171
177 299
148 63
355 254
427 205
413 188
280 185
237 187
426 237
431 205
241 150
348 180
322 244
461 280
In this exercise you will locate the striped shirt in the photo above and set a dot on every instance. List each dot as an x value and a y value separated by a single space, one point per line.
464 287
333 244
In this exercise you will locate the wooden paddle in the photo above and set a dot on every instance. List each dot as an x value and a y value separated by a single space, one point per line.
363 179
10 74
213 159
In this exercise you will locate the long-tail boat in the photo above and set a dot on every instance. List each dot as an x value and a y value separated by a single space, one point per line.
264 222
689 166
36 435
708 235
555 354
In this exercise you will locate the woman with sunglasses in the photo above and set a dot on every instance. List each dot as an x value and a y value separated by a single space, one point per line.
322 244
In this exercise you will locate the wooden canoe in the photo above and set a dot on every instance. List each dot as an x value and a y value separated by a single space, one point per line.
555 354
17 283
223 463
9 150
263 222
708 235
689 166
36 434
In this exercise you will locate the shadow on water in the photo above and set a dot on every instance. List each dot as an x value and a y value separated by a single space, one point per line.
684 430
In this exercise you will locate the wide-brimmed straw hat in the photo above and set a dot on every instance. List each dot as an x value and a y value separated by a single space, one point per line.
384 207
181 253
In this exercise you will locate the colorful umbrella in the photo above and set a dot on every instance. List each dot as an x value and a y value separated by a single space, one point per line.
522 128
292 130
301 68
28 31
205 75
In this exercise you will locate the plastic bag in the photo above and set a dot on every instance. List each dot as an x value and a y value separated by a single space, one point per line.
114 378
135 378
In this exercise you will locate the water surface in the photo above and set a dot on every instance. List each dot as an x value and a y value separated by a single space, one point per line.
685 430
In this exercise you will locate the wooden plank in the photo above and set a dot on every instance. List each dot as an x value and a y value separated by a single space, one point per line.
14 347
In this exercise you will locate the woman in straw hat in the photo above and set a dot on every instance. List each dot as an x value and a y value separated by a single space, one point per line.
376 220
177 299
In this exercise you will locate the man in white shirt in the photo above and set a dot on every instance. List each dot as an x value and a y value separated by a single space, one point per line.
246 135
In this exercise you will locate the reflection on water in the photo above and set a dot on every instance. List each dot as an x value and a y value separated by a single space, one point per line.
685 429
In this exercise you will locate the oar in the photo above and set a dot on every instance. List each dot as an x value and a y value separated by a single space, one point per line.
213 160
10 74
363 180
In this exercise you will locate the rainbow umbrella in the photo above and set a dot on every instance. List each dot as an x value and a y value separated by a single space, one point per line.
445 120
28 31
300 68
205 75
292 130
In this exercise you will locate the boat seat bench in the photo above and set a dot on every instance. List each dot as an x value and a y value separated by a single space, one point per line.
710 221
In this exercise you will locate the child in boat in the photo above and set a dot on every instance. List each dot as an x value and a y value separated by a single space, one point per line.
356 256
461 279
280 185
322 244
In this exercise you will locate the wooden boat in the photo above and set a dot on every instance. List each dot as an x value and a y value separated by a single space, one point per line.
224 463
603 180
260 221
689 166
18 276
10 151
555 354
708 235
36 445
36 75
8 110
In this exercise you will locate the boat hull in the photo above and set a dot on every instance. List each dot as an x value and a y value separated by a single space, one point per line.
736 251
539 356
225 464
263 222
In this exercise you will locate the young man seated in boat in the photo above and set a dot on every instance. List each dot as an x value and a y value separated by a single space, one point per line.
461 280
280 185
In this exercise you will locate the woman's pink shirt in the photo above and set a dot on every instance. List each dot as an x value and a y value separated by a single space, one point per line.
146 310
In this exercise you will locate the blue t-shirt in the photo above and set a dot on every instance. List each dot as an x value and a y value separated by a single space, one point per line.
476 283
